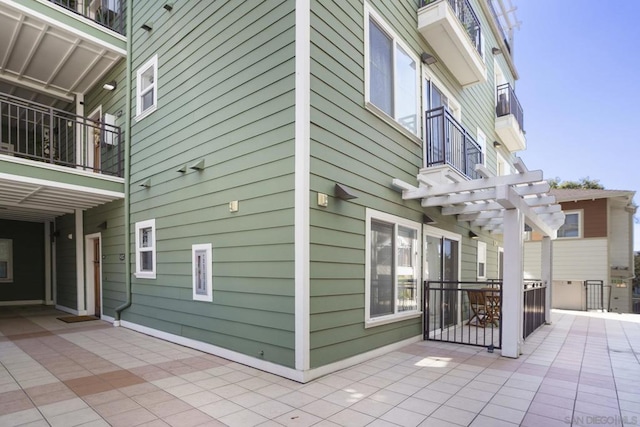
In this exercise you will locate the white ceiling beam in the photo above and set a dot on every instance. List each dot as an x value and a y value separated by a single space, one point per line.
12 42
508 198
458 198
473 185
480 215
401 185
537 188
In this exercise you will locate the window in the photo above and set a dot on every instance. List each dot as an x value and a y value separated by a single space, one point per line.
571 226
146 249
202 278
482 260
147 88
482 142
391 73
393 268
6 260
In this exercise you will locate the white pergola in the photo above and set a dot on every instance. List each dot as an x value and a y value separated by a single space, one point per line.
499 205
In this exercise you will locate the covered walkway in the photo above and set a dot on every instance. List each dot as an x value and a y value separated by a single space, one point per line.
583 369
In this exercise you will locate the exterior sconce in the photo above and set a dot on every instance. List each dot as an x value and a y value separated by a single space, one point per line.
183 169
426 219
146 184
198 166
168 7
344 193
473 235
147 26
496 51
102 226
496 144
428 59
110 85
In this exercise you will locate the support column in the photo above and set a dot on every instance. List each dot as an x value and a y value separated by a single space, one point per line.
80 261
512 292
47 263
547 275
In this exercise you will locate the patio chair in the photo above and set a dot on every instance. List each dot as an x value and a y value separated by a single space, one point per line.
478 306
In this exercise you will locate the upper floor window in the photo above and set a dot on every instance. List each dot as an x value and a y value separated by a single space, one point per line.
572 225
482 260
147 88
392 73
393 268
146 249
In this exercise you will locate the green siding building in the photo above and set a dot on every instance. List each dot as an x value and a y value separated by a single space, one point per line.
237 176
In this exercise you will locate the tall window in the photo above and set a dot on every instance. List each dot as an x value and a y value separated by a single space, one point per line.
147 88
482 260
6 260
571 226
392 73
146 249
202 278
393 268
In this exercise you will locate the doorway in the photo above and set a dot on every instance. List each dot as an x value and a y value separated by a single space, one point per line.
93 273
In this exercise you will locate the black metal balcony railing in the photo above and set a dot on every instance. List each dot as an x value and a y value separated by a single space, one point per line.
507 103
533 306
467 16
448 143
38 132
499 24
109 13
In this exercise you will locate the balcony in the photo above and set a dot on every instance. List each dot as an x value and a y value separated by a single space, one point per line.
449 144
452 29
44 134
509 119
59 48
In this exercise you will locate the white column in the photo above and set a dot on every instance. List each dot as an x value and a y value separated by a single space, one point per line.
47 263
512 292
80 260
547 275
80 146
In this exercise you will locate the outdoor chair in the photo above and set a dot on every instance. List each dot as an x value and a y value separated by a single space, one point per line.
478 307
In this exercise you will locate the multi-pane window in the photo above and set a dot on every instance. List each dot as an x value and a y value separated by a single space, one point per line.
571 226
146 249
202 277
6 260
392 75
393 266
147 88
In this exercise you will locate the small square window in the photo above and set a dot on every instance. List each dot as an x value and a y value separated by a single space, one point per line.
571 227
146 249
202 277
147 88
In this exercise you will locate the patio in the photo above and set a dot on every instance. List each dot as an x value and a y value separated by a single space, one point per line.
583 369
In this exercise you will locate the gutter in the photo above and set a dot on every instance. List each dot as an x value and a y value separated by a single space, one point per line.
127 168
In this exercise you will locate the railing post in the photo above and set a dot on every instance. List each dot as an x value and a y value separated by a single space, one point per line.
120 171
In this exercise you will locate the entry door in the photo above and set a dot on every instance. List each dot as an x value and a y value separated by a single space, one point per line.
96 276
441 267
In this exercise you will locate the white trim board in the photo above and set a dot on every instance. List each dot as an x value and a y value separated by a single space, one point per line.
59 168
21 302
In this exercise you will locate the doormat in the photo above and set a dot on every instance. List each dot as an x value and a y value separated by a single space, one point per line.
75 319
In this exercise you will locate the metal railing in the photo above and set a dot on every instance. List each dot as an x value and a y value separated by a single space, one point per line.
598 295
463 312
448 143
467 17
499 25
109 13
507 103
38 132
533 306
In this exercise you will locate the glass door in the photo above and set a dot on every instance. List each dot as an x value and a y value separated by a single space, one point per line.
442 256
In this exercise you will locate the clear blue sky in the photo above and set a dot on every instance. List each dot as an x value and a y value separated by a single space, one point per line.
579 86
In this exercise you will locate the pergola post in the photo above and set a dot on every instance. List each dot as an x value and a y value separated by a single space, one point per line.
547 275
512 287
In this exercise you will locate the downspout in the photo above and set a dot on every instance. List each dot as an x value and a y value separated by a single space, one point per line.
127 168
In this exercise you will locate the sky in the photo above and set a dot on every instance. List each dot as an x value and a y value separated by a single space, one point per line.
579 86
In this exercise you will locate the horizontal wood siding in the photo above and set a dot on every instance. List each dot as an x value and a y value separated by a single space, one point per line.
112 239
353 146
225 96
594 220
66 285
28 261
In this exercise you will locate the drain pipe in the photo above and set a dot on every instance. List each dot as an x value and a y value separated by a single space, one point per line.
127 167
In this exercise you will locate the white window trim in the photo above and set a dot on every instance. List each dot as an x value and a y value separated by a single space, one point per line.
455 108
209 285
398 316
9 278
369 12
151 223
152 63
482 258
580 214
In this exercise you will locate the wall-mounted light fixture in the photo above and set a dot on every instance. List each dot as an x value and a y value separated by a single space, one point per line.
473 235
496 144
168 7
428 59
102 226
426 219
343 192
146 184
110 85
496 50
147 26
198 166
183 169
